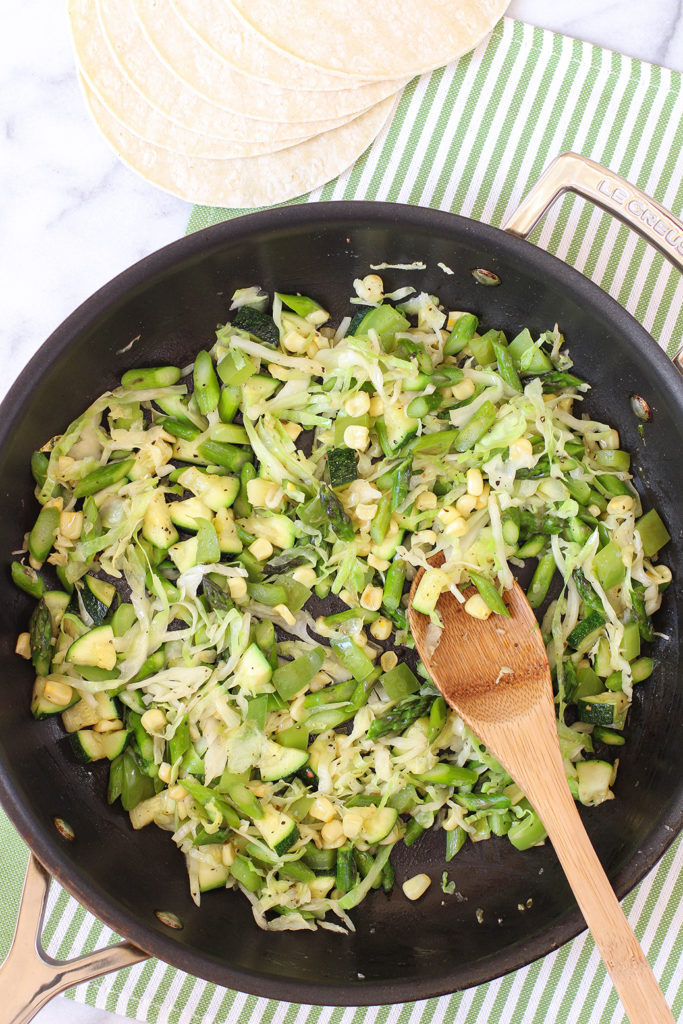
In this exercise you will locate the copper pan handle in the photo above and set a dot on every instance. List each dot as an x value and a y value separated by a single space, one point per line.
571 172
29 978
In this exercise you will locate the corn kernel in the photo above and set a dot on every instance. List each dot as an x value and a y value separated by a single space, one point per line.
177 793
332 834
381 564
381 628
237 585
107 725
376 406
424 537
457 527
371 598
475 482
295 342
23 646
521 450
477 607
425 500
352 824
322 809
416 886
388 660
58 693
595 510
153 721
261 549
483 499
447 515
293 429
371 288
358 404
365 512
227 854
321 627
620 504
305 574
71 524
165 772
610 440
466 504
463 389
357 438
283 611
347 597
566 404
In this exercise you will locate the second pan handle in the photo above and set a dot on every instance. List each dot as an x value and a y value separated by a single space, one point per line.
571 172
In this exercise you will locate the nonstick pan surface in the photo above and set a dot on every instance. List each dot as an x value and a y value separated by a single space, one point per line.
169 305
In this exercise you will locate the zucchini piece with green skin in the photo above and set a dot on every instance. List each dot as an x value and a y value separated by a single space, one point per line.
96 648
186 513
342 465
278 829
96 746
278 529
83 714
608 709
184 554
157 526
226 531
583 629
258 388
278 762
400 427
42 706
432 584
608 736
211 876
253 673
132 699
594 780
260 325
216 492
40 632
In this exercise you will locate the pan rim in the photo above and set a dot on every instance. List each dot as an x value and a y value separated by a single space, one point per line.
350 214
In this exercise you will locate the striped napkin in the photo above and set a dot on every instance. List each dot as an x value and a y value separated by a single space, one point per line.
473 138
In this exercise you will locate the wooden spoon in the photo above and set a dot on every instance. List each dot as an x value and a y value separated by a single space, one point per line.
495 674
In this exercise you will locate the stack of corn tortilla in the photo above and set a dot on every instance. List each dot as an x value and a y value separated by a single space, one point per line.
243 103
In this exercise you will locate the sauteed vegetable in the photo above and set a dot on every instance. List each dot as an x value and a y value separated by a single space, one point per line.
191 517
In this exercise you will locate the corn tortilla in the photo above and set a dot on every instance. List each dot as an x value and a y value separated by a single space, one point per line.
214 79
373 40
172 97
112 88
256 181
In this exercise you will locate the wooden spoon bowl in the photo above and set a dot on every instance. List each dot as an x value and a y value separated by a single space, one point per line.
495 674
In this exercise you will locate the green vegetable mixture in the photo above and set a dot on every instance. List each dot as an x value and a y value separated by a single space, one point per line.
189 517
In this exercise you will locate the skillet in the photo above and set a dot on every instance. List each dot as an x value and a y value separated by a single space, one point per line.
168 305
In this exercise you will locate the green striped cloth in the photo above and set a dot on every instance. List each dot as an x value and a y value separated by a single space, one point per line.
473 138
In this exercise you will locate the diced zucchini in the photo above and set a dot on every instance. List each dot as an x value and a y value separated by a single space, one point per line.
186 513
253 673
258 389
95 746
604 709
103 591
57 602
595 779
133 700
321 886
342 465
387 548
123 618
83 714
279 530
585 629
42 706
184 554
226 531
430 587
215 491
260 325
377 823
96 647
157 526
278 829
211 876
72 626
400 427
278 762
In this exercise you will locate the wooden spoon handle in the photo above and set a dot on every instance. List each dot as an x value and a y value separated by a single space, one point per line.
550 796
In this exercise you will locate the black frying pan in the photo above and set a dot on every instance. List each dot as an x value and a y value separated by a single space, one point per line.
171 302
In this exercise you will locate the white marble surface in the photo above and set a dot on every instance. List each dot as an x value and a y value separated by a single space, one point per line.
71 216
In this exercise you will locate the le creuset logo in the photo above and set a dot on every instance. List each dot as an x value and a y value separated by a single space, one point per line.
650 217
